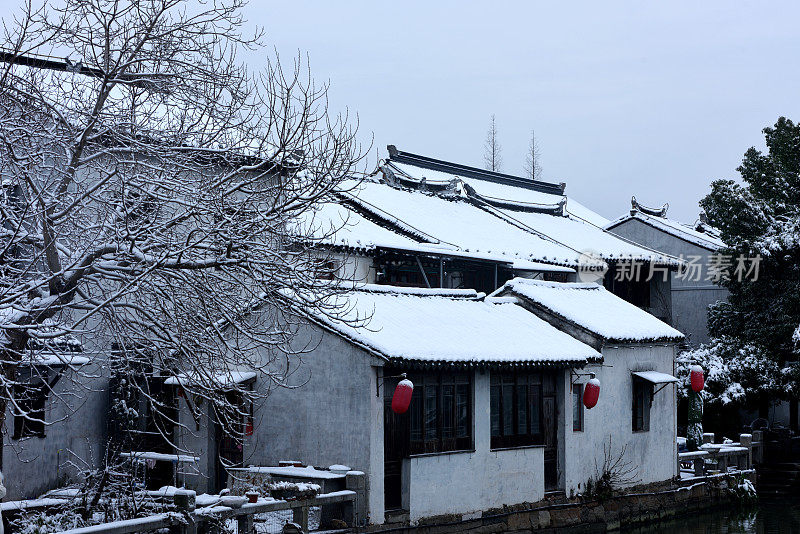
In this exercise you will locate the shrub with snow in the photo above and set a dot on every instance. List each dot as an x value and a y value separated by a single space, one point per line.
733 371
41 523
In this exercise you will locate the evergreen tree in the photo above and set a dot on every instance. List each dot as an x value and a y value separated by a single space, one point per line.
760 217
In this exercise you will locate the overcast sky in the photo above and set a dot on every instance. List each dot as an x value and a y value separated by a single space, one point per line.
644 98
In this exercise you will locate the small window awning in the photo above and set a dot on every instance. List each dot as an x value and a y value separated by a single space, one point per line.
224 379
654 377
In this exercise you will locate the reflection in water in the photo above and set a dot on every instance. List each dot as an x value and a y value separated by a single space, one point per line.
768 517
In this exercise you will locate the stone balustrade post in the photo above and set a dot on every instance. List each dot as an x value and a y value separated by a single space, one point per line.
185 503
355 512
746 440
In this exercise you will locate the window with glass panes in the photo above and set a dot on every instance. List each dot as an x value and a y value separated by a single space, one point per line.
516 409
642 399
577 407
441 413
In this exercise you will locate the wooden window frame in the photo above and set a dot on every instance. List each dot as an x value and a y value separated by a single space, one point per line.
642 401
577 408
500 384
435 425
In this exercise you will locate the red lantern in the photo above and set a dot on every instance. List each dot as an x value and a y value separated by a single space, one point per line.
402 396
591 393
697 380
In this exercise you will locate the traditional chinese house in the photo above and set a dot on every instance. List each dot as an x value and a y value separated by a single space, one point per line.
497 415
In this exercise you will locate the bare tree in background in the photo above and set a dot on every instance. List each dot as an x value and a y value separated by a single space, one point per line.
533 167
492 158
151 190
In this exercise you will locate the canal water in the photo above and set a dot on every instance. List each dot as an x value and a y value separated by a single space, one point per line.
767 517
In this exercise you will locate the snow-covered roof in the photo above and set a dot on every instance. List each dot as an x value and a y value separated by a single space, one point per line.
707 239
537 208
588 238
215 379
654 377
458 223
336 224
593 308
158 456
434 326
502 193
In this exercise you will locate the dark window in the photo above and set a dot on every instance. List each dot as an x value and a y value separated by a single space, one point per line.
554 277
516 409
441 413
633 287
30 401
324 269
642 399
577 407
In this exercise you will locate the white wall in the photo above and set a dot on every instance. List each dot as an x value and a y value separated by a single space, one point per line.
653 452
467 482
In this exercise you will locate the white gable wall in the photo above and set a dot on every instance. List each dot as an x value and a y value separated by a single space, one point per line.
654 452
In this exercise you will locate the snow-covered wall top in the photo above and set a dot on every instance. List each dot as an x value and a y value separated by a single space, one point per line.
594 308
431 325
672 227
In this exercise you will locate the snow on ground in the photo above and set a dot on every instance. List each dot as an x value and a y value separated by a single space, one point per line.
452 325
594 308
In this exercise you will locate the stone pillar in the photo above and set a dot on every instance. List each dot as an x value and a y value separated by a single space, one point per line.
746 440
758 437
356 511
699 467
245 523
300 516
185 503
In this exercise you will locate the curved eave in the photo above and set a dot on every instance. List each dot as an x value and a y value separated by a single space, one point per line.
620 341
445 363
491 364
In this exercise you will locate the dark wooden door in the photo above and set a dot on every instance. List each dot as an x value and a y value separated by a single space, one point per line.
229 433
550 423
395 448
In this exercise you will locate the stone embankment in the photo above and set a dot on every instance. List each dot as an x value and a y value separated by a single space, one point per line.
561 516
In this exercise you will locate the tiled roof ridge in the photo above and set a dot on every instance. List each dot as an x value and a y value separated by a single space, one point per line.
472 172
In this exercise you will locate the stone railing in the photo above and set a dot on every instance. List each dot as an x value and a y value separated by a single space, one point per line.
723 457
191 520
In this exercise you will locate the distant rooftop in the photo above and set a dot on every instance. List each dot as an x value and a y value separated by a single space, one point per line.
700 233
